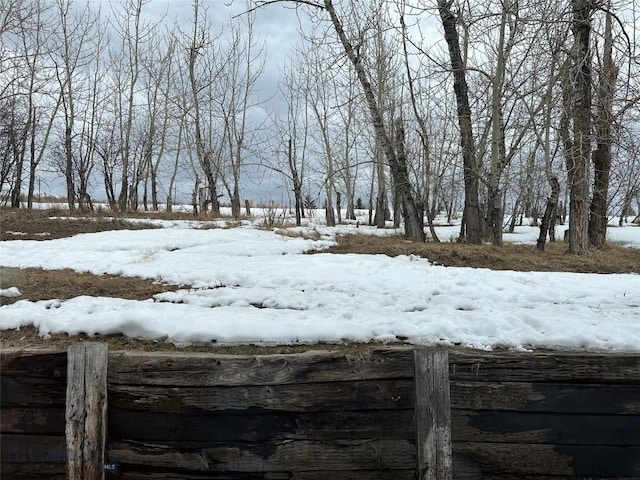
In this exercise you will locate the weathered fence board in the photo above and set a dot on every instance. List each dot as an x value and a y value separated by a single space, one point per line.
550 428
48 421
514 415
364 394
202 370
24 471
39 363
433 414
199 431
361 475
288 455
31 449
284 414
547 397
545 414
156 474
86 410
535 459
32 399
508 476
595 368
32 392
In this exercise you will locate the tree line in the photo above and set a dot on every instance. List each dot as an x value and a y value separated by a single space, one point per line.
496 109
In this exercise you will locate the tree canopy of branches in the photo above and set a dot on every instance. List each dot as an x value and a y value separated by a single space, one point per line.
489 113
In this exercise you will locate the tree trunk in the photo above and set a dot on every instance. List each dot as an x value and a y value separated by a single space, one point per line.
548 220
213 188
204 157
68 168
495 215
581 151
371 214
381 198
235 202
397 163
19 148
397 208
329 214
134 11
602 155
498 148
471 204
297 193
396 200
297 184
109 190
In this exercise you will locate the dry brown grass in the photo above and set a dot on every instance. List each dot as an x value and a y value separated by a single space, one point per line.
555 258
27 337
37 284
25 224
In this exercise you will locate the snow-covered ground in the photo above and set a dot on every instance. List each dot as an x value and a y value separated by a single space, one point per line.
247 285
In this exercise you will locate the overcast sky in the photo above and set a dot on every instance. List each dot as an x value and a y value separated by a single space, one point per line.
277 26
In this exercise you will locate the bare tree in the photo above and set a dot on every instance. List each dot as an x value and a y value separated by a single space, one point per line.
158 83
397 162
13 13
201 46
245 62
423 132
133 35
543 117
293 135
580 153
471 216
27 90
601 156
70 56
318 99
14 128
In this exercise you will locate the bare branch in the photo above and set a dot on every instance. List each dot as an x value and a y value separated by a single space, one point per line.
264 3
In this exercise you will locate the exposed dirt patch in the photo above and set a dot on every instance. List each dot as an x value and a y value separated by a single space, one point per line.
27 337
37 284
555 258
22 224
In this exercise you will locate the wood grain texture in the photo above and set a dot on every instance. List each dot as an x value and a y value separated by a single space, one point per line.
32 450
86 410
146 474
22 471
25 391
594 368
433 414
335 396
547 397
532 415
43 421
288 455
176 369
549 428
535 459
200 431
41 363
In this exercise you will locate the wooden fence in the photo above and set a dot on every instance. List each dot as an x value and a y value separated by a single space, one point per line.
387 414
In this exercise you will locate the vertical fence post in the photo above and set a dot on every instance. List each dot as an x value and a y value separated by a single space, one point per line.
86 410
433 414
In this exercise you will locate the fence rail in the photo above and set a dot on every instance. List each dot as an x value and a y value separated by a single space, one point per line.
386 414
